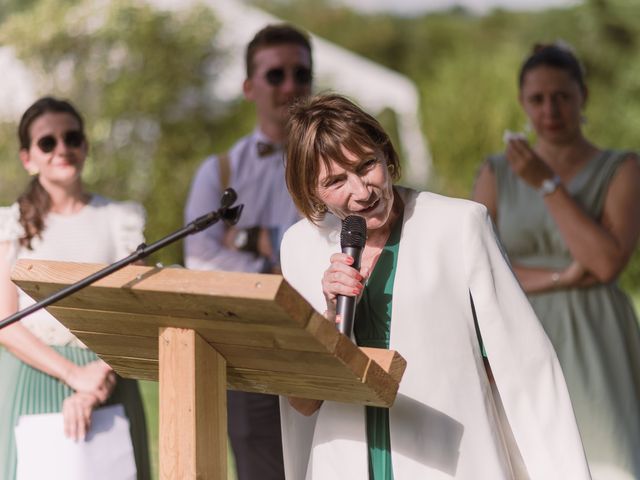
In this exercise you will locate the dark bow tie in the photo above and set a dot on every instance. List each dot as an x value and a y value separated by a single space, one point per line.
265 149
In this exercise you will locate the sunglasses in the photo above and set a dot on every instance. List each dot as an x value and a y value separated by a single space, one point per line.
72 139
276 76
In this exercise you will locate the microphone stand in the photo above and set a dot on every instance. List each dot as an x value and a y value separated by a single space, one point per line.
230 215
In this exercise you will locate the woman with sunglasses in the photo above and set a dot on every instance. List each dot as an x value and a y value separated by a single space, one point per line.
44 368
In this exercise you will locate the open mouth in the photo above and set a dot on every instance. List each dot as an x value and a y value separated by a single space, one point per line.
372 206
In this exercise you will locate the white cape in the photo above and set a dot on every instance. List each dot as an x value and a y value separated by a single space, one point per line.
446 422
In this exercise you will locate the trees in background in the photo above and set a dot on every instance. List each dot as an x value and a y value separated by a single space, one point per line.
466 69
141 75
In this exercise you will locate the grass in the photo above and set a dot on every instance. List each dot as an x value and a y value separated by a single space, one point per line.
149 391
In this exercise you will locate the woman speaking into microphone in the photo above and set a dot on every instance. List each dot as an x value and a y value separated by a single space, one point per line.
483 395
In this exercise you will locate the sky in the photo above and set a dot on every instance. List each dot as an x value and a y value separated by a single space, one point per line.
408 7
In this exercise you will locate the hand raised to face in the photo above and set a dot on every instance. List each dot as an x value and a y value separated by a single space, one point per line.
527 164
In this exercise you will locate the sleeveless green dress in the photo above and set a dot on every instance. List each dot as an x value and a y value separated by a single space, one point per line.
594 330
372 329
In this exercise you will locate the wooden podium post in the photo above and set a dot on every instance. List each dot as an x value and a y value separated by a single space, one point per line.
200 333
193 413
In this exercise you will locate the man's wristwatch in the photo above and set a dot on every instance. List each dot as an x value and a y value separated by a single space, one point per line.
246 240
549 185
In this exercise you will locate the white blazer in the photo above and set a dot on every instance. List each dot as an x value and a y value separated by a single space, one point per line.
446 422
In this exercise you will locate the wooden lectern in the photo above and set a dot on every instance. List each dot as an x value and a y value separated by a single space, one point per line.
199 333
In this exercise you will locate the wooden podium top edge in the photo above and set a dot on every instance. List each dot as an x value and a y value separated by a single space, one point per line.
156 279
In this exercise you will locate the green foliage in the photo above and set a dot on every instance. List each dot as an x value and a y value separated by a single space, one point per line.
462 132
141 78
13 177
466 69
8 7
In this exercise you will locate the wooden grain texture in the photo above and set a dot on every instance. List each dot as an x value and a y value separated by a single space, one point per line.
232 296
285 362
193 415
214 331
131 367
390 361
382 394
260 381
270 337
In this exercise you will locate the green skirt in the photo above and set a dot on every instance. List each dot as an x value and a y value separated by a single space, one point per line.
25 391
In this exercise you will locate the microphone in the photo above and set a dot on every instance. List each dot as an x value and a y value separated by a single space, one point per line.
352 239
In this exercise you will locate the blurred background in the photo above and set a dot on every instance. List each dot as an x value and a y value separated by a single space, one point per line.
159 83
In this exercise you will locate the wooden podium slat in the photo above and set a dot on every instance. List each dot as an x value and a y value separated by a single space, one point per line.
237 356
227 332
262 381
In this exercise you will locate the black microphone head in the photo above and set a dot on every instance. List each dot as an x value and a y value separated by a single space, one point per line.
354 232
229 196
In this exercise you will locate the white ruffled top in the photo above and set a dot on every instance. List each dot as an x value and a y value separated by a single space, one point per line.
103 231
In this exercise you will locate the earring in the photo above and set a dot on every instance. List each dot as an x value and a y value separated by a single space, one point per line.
33 171
320 208
583 119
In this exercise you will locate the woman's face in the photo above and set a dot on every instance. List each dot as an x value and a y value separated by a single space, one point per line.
58 149
364 189
553 101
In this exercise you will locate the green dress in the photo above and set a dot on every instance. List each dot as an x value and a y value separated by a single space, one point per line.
372 329
28 391
594 330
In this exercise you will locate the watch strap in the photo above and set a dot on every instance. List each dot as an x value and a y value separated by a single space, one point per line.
549 185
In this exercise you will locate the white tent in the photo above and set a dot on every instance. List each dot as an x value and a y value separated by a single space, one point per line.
373 86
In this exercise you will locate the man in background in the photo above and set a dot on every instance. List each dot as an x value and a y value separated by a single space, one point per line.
279 71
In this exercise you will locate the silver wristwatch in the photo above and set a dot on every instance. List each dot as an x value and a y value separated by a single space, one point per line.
549 185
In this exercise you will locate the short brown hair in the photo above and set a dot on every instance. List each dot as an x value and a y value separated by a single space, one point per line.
271 36
318 128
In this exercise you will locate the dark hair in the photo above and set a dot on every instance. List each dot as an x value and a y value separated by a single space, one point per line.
555 56
35 202
318 129
274 35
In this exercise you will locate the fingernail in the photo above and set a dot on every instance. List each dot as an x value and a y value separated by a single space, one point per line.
349 259
356 291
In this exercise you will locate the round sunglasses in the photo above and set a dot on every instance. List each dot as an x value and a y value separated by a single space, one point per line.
276 76
72 139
